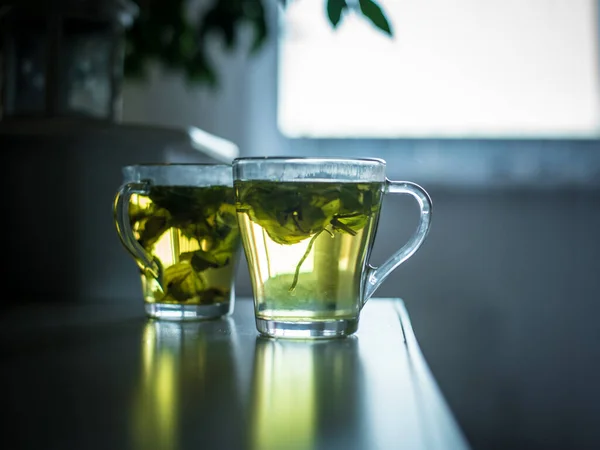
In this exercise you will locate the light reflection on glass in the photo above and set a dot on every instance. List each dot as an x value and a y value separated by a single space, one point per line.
163 248
187 381
306 394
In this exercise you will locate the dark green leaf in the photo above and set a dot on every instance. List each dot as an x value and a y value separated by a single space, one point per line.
335 9
205 260
162 32
202 214
374 13
213 295
255 14
260 35
338 225
225 216
182 282
188 204
306 253
153 228
291 213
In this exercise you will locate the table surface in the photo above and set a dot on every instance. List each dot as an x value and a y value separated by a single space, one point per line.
104 376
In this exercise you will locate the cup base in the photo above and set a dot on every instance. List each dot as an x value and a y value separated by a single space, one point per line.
307 330
167 311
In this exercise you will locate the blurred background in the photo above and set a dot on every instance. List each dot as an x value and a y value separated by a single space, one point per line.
493 106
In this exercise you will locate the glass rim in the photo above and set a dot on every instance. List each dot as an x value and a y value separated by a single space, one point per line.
309 159
309 169
179 174
166 165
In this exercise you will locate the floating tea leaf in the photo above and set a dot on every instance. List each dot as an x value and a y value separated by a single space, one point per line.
292 212
205 216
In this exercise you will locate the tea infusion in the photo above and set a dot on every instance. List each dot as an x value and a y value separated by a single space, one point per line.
306 244
193 236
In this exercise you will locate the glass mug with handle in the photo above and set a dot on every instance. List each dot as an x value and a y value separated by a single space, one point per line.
178 221
307 228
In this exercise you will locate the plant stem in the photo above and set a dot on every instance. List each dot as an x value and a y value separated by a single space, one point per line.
337 224
306 253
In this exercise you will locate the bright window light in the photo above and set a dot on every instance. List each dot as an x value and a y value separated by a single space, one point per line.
461 68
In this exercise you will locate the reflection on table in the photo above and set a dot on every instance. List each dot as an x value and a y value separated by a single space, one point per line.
306 395
112 379
186 384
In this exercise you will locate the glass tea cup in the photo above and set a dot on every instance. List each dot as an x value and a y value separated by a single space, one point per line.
307 228
178 222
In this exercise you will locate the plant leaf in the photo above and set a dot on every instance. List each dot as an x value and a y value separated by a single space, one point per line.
334 11
182 282
254 13
375 14
306 253
152 228
291 213
202 214
205 260
213 295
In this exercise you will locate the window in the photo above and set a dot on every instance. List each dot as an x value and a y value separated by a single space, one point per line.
462 68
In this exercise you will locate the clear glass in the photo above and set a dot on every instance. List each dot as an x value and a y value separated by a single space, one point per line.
178 221
308 227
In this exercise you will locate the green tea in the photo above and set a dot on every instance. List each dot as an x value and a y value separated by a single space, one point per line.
193 237
306 245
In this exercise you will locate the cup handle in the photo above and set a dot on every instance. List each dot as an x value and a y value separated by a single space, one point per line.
121 215
376 275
